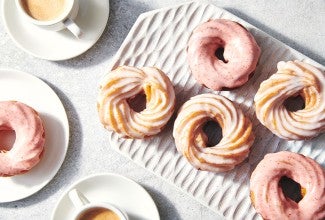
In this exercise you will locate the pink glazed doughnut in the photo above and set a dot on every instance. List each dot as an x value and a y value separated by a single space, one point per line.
268 198
30 138
241 54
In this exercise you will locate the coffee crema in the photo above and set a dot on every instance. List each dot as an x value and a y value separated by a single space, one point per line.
99 214
44 10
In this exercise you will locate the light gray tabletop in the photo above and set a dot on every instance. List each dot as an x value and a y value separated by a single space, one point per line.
298 23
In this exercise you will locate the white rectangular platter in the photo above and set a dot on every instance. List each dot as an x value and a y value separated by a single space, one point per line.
159 38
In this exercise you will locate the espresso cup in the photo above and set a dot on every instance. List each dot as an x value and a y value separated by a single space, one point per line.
54 15
94 210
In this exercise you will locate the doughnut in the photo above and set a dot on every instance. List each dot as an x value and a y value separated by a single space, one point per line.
28 147
267 197
125 83
240 55
292 78
191 140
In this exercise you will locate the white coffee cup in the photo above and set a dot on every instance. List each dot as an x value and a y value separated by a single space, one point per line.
63 20
83 206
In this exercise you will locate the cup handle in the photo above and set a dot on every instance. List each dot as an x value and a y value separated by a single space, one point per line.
73 27
77 198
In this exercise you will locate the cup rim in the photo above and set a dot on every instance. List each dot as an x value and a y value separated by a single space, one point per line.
58 19
121 214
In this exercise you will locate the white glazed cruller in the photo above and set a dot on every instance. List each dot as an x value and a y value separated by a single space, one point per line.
292 78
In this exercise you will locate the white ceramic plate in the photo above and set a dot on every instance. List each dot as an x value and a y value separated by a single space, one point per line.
112 188
23 87
159 38
62 45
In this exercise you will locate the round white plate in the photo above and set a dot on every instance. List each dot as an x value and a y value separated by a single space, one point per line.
115 189
62 45
23 87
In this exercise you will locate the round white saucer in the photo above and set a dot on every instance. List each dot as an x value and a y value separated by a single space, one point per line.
62 45
112 188
23 87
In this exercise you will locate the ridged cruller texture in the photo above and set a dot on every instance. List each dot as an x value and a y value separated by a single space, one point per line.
124 83
267 195
191 140
160 38
293 78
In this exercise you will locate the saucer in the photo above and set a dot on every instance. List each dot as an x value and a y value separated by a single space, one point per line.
112 188
62 45
23 87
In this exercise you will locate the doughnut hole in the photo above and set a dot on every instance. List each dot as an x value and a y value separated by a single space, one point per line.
219 54
138 102
7 139
294 103
291 189
213 132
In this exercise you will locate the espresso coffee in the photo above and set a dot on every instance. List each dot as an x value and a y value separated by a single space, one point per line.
99 214
44 10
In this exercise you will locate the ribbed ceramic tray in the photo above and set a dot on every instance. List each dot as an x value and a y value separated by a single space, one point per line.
159 38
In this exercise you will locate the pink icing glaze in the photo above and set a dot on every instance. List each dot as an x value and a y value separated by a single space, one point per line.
30 138
268 197
240 51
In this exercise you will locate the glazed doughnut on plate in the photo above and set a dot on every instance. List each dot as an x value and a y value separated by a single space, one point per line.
238 46
191 140
268 197
292 78
28 147
124 83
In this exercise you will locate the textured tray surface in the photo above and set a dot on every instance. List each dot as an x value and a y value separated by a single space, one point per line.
159 38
